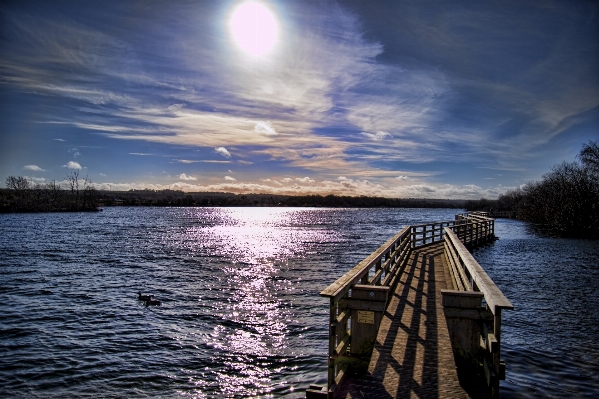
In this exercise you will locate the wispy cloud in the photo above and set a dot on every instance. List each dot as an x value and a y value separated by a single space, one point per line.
380 135
72 165
229 178
34 168
266 128
222 151
183 176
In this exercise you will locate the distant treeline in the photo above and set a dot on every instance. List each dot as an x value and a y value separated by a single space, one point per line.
180 198
21 195
565 202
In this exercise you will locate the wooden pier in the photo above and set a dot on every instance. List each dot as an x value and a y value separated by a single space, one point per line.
418 318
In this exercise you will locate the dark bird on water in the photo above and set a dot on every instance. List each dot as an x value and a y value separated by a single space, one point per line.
148 300
153 302
143 298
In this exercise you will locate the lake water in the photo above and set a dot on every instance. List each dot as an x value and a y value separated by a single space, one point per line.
241 315
550 340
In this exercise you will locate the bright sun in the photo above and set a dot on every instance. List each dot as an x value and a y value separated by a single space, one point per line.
254 28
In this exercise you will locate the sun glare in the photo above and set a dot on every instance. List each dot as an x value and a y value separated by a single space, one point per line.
254 28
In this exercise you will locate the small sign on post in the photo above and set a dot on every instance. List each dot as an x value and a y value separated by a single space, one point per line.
365 317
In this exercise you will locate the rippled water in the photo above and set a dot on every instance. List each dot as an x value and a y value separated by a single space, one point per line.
550 341
240 315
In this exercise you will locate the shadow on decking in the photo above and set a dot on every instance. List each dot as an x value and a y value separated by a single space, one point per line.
410 358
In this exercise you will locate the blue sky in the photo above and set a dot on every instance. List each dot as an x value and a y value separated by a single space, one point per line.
429 99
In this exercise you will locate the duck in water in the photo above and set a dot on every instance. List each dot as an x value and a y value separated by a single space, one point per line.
152 302
148 300
143 298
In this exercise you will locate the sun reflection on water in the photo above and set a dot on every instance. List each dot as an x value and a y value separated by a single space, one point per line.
250 341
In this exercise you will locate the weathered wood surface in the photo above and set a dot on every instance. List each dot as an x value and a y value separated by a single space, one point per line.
413 355
464 267
356 294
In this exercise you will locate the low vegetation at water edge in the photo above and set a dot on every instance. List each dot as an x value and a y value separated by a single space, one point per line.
565 202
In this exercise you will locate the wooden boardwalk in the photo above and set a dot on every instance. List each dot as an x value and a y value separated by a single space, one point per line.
412 357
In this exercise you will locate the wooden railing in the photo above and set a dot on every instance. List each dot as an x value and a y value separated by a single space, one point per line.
464 310
361 293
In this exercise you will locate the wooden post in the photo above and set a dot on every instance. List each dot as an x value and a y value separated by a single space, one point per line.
332 343
462 314
498 366
367 305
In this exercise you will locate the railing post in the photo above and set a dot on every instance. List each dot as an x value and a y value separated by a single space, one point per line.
498 365
332 343
462 314
367 305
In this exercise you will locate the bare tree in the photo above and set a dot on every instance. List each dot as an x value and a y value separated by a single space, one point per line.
89 192
54 193
22 186
73 184
18 183
589 156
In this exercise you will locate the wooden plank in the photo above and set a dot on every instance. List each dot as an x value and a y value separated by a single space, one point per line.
342 347
493 295
340 287
343 316
455 266
361 304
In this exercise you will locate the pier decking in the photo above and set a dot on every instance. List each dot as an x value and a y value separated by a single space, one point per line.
412 356
418 318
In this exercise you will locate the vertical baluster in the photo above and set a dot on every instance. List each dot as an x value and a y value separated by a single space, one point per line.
496 356
332 342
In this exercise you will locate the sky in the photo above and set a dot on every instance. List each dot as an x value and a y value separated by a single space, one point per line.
401 99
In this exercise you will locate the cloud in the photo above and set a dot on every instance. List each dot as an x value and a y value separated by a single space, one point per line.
75 155
183 176
176 107
376 136
403 177
34 168
102 174
266 128
350 187
305 180
38 180
142 154
72 165
186 161
59 140
222 151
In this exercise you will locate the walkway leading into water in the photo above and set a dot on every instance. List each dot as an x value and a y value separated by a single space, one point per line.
412 357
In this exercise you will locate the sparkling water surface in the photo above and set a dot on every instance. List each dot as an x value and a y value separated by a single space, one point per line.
241 315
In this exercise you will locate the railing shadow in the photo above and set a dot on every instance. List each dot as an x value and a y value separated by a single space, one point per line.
406 355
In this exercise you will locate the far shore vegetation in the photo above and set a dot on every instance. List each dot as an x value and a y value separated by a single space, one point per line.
22 195
565 202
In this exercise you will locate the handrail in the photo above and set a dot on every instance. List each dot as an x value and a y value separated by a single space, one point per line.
383 268
471 275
